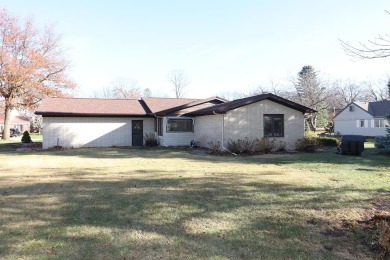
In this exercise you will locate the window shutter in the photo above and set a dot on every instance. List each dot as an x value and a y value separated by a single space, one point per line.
372 123
357 123
366 123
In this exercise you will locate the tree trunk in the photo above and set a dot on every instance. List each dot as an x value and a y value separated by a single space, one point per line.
311 123
7 122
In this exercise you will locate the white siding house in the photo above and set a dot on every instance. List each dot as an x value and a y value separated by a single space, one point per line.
362 118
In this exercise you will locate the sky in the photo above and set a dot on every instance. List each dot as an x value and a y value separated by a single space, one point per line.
222 46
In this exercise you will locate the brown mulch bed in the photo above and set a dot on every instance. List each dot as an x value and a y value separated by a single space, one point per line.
29 147
375 224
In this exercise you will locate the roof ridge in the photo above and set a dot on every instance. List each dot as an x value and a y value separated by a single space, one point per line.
95 98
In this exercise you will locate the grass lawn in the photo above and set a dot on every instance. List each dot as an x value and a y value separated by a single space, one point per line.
159 204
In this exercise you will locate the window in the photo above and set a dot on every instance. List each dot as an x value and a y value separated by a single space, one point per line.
180 125
351 108
362 123
160 126
273 125
381 123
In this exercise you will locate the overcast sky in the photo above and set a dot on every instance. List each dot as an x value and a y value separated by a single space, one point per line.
221 45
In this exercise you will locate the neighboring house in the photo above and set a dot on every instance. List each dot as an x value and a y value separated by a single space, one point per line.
17 122
78 122
363 118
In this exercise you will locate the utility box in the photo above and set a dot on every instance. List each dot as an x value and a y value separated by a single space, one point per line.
352 144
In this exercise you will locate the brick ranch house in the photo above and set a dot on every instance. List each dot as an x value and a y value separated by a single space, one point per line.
83 122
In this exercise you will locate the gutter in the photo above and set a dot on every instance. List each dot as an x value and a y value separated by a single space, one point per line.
223 134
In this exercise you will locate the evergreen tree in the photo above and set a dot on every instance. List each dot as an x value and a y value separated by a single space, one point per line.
384 143
310 93
26 137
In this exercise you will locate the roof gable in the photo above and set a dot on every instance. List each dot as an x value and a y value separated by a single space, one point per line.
157 105
192 106
375 109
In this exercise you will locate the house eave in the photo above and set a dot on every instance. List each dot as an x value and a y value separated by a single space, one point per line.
56 114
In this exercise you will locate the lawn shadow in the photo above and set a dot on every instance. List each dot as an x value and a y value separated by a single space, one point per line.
87 216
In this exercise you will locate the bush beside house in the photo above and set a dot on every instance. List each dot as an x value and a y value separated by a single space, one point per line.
26 137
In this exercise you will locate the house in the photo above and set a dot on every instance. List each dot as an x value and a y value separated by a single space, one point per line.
81 122
17 122
363 118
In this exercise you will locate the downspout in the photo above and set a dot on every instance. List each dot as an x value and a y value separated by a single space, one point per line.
157 136
223 134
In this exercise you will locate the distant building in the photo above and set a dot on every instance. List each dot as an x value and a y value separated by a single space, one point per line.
18 122
363 118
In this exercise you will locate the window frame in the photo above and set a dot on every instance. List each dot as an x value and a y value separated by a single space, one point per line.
160 126
273 117
382 123
179 119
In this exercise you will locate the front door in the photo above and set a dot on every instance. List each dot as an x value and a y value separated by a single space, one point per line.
137 135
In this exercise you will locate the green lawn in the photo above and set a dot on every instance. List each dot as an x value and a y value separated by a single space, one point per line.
161 203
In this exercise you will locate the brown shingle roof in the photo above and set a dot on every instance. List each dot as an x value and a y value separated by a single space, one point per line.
224 107
160 104
192 106
90 107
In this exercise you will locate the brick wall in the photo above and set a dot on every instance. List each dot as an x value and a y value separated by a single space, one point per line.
247 121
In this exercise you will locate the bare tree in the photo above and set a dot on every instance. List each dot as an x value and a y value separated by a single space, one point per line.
36 123
232 95
344 93
377 91
147 92
372 49
124 88
32 65
179 82
105 92
273 88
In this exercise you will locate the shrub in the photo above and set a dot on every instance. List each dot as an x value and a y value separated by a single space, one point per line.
150 139
328 141
307 144
215 147
247 145
280 146
310 134
329 128
234 146
26 137
242 146
266 145
383 143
